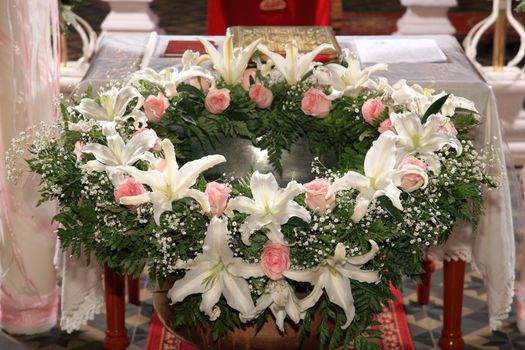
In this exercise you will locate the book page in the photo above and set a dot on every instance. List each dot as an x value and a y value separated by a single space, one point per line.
399 51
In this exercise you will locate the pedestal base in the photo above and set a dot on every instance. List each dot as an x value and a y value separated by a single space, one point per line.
453 280
116 333
426 17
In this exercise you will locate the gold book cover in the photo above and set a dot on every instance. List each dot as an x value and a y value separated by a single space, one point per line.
307 38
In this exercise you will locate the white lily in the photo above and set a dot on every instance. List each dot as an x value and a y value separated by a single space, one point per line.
293 66
117 153
231 64
271 206
333 276
381 177
113 104
454 102
414 97
422 139
350 80
171 183
170 78
280 298
216 272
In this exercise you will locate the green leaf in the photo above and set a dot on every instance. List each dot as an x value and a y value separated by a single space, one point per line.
434 107
386 204
190 90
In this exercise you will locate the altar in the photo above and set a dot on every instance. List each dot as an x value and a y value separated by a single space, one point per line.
491 249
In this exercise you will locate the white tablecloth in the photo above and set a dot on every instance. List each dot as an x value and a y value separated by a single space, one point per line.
491 248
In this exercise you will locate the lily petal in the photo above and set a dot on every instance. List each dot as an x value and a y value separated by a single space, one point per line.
339 292
237 293
191 283
209 299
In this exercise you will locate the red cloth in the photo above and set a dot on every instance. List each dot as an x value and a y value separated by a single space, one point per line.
226 13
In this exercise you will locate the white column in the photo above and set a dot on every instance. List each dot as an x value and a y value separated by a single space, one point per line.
426 17
130 16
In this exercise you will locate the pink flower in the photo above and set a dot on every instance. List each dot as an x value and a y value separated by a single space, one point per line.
448 128
217 196
275 259
372 110
156 147
262 96
217 100
200 83
128 188
78 150
316 191
412 182
245 81
315 103
387 125
155 106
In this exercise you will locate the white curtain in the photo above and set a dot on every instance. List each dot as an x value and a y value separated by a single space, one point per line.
29 85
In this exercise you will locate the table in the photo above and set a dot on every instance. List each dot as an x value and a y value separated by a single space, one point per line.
491 249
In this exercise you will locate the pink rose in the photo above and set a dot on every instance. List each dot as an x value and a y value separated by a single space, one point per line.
386 125
315 103
372 110
412 182
448 128
275 259
217 196
157 146
262 96
200 83
128 188
155 106
217 100
245 81
316 191
78 150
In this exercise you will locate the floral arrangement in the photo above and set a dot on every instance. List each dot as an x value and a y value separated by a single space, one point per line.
120 166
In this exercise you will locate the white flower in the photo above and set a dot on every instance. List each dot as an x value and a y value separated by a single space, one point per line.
170 78
215 272
381 177
333 276
422 139
118 153
171 183
414 97
271 205
113 104
294 65
453 102
418 99
350 80
280 298
231 64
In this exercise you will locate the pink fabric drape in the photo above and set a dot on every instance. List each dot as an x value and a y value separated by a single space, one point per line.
29 68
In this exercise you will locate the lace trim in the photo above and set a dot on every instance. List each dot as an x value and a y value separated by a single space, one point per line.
445 253
498 316
92 304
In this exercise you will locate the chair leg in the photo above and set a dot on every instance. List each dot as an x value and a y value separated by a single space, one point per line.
453 280
133 290
116 333
423 289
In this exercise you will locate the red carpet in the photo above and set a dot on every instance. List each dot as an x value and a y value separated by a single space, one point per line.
394 327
